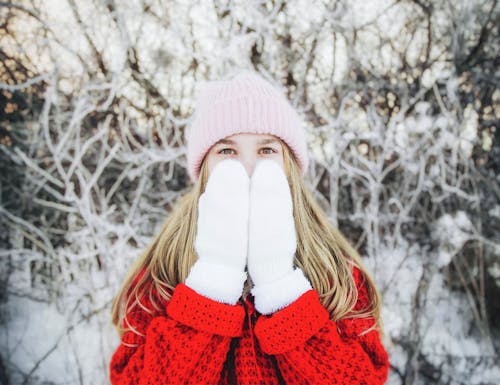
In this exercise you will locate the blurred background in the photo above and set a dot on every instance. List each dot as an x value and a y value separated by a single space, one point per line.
400 101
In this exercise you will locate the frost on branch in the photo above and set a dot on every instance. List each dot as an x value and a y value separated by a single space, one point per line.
400 104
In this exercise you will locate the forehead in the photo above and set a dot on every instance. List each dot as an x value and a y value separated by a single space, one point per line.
249 138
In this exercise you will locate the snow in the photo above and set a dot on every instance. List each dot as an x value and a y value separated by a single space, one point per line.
52 347
452 231
95 180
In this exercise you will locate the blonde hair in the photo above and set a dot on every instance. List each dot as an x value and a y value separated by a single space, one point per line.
323 253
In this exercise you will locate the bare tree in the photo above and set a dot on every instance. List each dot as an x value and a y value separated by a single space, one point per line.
400 103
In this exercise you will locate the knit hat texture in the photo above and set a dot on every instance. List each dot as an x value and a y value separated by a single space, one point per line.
243 103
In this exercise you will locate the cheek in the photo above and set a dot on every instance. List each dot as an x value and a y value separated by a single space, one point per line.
212 161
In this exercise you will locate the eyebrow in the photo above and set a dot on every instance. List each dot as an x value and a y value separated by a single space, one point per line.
263 141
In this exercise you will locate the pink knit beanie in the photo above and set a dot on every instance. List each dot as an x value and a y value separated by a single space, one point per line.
242 103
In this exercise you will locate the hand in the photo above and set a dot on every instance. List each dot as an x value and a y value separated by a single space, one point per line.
222 234
272 240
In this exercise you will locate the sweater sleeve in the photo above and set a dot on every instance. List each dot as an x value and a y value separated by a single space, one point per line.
312 349
186 343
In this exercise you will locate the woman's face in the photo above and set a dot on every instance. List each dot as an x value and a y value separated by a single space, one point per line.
247 148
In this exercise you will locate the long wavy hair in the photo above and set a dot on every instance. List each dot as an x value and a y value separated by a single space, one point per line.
323 253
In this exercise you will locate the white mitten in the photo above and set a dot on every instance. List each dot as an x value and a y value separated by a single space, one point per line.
222 234
272 240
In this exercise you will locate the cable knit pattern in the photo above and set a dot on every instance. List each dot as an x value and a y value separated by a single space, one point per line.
196 340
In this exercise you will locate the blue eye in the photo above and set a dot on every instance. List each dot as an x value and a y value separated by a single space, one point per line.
224 151
268 150
262 151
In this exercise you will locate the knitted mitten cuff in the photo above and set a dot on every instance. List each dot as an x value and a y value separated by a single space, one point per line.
201 313
293 326
273 296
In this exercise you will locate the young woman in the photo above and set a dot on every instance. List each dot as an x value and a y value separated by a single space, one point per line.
247 282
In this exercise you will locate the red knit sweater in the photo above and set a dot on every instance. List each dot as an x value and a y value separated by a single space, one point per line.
199 341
